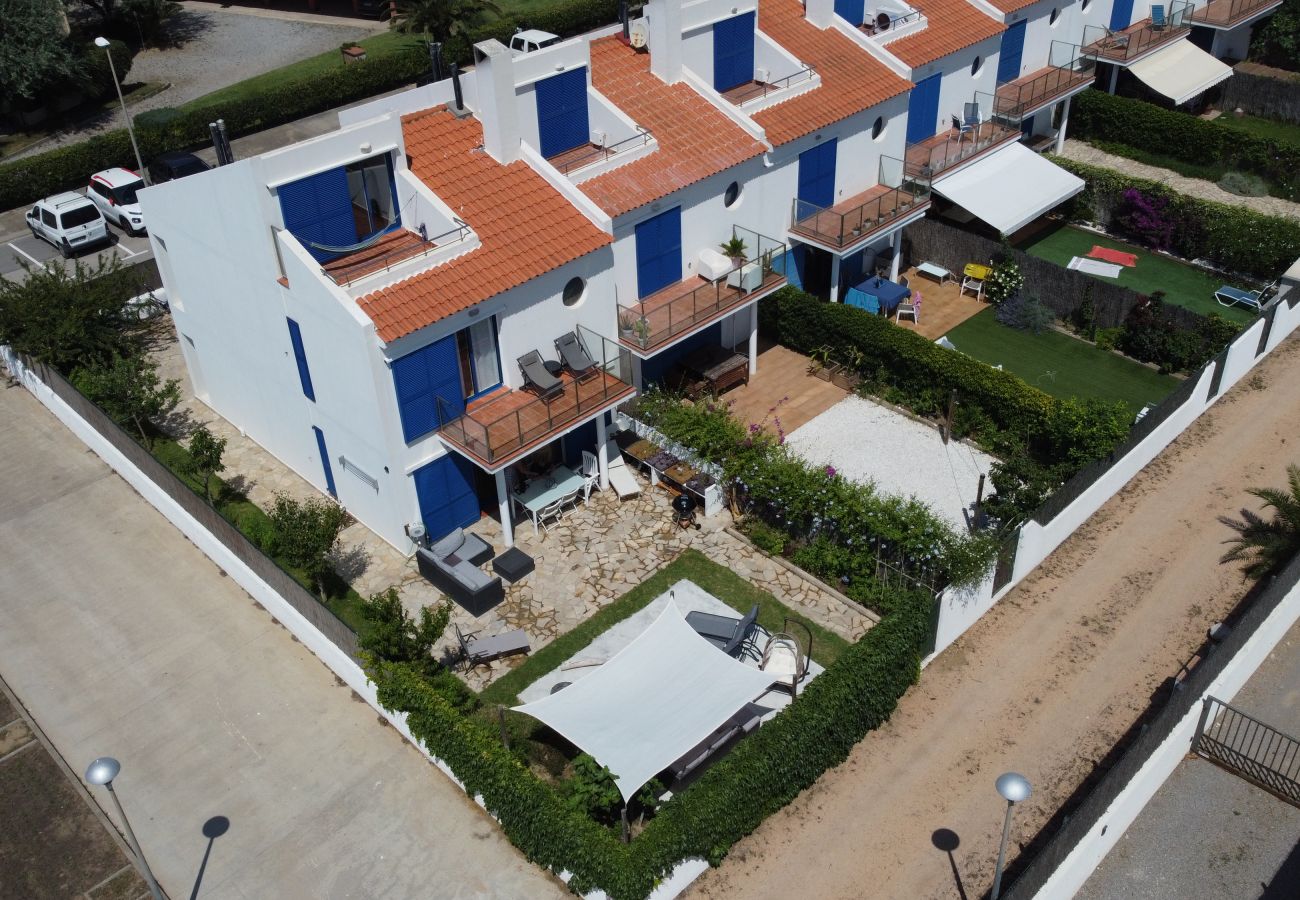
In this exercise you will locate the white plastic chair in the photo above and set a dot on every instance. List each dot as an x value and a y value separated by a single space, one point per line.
910 309
549 515
590 473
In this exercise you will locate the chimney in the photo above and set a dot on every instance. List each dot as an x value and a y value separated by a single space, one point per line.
820 12
498 110
665 20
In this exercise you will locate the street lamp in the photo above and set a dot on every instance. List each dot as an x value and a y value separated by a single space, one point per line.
102 771
1014 788
102 43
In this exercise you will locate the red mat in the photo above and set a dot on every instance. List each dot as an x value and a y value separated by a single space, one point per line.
1113 256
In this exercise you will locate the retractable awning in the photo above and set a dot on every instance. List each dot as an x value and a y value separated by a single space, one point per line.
1180 71
1010 187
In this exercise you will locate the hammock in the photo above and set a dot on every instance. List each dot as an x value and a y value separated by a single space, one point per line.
352 248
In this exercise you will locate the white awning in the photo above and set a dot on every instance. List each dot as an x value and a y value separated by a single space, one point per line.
1010 187
1180 71
654 701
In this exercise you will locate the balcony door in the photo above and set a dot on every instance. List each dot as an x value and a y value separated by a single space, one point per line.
817 174
1121 15
1012 52
852 11
445 491
562 121
923 109
659 252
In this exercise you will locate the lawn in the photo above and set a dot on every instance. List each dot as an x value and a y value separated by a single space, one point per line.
693 566
1184 285
1284 132
1061 365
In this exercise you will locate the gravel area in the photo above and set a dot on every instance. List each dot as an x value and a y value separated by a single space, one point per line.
216 48
865 441
1194 187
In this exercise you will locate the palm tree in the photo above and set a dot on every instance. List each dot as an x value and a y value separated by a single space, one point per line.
1266 546
440 19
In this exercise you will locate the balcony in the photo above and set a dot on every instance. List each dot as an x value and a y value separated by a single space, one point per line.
753 95
847 225
506 424
687 306
1124 47
889 22
1231 13
1066 74
391 253
580 157
952 148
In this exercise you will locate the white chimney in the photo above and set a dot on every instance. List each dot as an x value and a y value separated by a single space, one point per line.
665 19
498 110
820 12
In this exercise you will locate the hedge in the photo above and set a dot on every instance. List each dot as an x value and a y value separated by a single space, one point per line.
1144 126
1233 238
563 18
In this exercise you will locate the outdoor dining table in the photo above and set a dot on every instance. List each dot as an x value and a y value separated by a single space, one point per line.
889 293
541 492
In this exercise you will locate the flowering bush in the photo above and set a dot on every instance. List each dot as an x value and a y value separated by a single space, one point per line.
1147 218
1004 282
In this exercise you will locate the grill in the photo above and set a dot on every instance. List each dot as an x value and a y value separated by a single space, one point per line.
684 511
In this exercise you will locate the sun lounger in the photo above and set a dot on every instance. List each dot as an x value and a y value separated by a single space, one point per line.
621 478
476 650
1092 267
575 358
1227 295
727 633
547 386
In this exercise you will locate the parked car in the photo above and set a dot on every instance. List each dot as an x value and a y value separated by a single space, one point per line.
173 165
69 221
113 191
528 41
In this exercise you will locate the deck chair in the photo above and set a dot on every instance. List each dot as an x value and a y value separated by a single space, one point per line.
1157 17
547 386
911 309
1113 41
621 478
475 650
575 357
971 118
727 633
1227 295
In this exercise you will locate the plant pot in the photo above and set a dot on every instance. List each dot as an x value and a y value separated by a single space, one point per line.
846 378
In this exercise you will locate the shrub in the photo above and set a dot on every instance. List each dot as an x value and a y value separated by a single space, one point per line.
1244 184
770 540
1004 282
1107 338
1276 42
1025 313
1150 335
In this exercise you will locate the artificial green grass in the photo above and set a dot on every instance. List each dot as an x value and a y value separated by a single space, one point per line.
1061 365
1285 132
692 565
1184 285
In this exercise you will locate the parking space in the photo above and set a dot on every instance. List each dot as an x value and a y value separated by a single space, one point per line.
23 247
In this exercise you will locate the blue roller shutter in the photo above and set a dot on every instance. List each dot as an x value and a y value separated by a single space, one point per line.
1121 15
445 491
325 462
659 252
300 356
817 174
562 112
421 377
733 52
923 109
852 11
1013 50
319 209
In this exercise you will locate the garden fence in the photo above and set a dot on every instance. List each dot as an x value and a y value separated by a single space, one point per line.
245 550
1262 91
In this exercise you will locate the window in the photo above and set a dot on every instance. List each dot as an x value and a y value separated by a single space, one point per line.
573 291
877 128
480 366
731 195
47 218
433 383
300 356
82 215
370 188
976 66
124 194
1056 14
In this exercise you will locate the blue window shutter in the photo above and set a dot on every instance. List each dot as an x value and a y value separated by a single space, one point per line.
318 209
300 355
852 11
659 251
325 462
923 109
421 379
733 52
1121 15
1013 50
562 112
445 492
817 174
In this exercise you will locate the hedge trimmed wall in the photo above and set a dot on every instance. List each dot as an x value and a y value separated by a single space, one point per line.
1233 238
1262 91
565 18
1141 125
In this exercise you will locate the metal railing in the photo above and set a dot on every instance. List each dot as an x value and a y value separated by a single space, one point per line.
661 317
904 193
873 27
764 89
1227 12
1015 97
928 158
599 154
366 266
521 419
1118 46
1250 748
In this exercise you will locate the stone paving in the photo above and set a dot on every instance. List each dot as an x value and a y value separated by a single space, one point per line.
592 557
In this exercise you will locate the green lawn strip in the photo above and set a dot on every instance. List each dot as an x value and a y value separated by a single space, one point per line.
693 566
1260 127
379 45
1061 365
254 524
1184 285
1211 172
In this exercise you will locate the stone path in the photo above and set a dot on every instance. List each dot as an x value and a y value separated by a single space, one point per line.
1080 151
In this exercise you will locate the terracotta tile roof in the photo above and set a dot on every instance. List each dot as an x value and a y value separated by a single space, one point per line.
951 25
851 79
526 226
1010 6
695 139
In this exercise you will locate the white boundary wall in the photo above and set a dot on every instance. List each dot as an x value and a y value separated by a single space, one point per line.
324 649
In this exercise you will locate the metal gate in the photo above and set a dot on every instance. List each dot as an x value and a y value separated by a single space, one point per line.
1247 747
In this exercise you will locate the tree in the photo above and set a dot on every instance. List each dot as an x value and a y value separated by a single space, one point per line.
440 19
1265 546
307 534
129 391
205 457
34 48
392 635
1277 41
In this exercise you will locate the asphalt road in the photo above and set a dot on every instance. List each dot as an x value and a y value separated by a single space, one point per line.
19 247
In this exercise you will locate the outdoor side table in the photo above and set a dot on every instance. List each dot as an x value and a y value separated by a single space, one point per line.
513 564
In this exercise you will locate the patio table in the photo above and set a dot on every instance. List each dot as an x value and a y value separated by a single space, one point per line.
887 292
542 492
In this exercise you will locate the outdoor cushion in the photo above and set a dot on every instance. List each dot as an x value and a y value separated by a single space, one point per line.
448 545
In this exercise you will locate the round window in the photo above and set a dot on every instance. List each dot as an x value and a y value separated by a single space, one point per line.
1056 14
877 128
976 66
573 291
731 195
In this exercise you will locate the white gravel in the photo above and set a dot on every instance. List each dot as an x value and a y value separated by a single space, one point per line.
867 442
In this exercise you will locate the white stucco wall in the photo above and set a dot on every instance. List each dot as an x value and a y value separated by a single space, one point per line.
959 85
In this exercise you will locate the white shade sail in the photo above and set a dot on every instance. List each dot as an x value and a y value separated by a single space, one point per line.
1010 187
654 701
1180 71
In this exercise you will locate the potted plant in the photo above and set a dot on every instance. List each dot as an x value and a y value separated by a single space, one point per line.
642 330
625 323
352 52
848 376
735 248
822 365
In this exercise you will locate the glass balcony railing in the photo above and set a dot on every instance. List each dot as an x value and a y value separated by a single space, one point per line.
896 195
505 425
1121 46
980 128
1230 12
1067 69
682 307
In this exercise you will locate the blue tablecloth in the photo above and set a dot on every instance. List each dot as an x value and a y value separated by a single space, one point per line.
887 292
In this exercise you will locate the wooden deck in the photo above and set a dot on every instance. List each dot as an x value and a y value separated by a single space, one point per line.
687 306
949 149
388 251
1136 40
943 306
1227 13
1040 88
782 391
743 93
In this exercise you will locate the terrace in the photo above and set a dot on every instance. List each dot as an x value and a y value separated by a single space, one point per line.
1067 73
577 159
954 147
1139 39
391 249
863 217
1231 13
752 95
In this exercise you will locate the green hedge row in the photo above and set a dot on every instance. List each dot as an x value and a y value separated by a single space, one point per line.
565 18
1144 126
1232 237
763 773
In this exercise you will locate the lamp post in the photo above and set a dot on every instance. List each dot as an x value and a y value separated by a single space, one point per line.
102 43
102 771
1014 788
